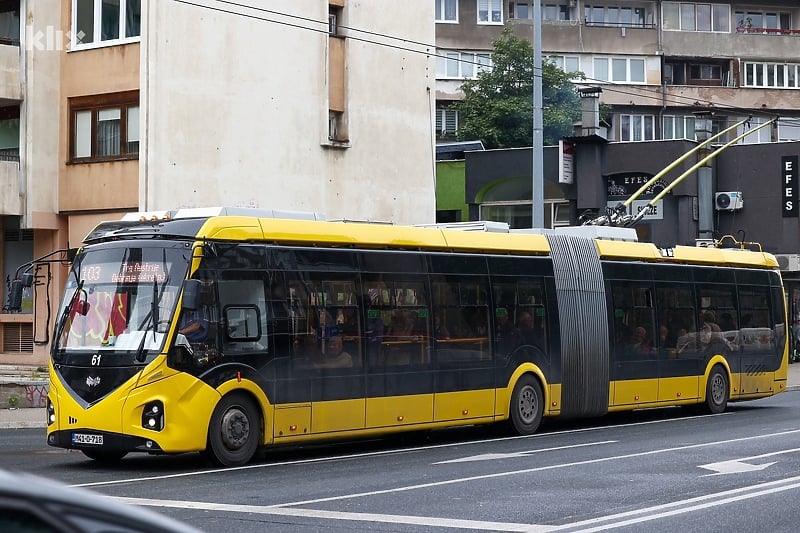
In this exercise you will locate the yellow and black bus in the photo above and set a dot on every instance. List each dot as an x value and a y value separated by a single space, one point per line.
309 330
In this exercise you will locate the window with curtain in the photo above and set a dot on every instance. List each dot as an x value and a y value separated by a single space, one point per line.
104 127
490 11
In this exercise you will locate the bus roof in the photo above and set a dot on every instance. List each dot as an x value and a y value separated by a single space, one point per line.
469 238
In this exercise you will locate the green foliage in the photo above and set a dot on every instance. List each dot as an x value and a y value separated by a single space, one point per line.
498 105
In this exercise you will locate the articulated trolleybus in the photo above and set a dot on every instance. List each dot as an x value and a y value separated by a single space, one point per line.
223 334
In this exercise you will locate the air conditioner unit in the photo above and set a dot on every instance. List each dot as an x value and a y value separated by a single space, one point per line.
728 201
788 262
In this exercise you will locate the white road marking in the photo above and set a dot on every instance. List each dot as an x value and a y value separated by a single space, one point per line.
737 466
337 515
380 453
496 456
600 523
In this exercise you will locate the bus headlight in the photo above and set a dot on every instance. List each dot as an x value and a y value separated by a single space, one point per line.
51 412
153 416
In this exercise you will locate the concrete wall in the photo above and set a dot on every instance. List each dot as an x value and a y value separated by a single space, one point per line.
235 110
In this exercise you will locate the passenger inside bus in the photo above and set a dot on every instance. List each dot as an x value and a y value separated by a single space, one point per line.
333 354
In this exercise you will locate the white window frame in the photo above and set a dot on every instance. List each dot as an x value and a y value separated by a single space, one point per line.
562 10
686 123
75 42
470 62
445 117
637 122
764 135
685 7
629 71
771 75
494 11
566 63
442 6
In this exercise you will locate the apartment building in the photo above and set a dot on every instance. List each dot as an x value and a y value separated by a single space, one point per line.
150 106
656 61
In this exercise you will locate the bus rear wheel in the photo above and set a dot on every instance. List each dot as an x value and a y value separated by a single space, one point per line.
234 431
527 406
716 391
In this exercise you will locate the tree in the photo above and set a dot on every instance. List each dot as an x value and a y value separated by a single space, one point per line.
498 105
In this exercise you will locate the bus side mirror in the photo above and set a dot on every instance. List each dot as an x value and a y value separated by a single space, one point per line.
15 295
191 293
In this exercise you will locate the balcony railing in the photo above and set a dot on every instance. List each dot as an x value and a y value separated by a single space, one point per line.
767 31
635 25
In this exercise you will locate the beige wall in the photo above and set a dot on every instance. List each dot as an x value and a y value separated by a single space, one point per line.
237 111
96 186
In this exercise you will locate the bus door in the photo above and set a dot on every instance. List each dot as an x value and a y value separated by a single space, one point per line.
677 348
635 360
399 372
464 362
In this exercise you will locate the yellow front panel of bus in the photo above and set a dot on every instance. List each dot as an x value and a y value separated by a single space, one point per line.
635 391
338 415
103 416
188 404
463 405
399 410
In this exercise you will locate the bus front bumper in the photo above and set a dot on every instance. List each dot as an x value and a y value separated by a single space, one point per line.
87 439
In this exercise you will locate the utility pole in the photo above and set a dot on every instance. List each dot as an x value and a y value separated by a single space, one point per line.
537 191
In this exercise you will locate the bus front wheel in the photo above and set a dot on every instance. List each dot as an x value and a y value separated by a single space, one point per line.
527 406
234 431
716 391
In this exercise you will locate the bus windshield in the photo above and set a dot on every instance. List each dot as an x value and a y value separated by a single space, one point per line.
120 298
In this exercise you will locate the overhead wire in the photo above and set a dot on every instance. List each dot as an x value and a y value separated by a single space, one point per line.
657 92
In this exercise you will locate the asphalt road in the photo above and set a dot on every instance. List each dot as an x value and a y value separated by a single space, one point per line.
659 470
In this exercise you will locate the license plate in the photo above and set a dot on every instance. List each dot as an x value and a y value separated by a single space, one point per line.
85 438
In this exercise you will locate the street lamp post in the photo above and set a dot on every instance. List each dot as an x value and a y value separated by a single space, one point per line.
537 192
705 180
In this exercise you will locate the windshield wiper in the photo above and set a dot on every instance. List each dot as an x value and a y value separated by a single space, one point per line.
62 320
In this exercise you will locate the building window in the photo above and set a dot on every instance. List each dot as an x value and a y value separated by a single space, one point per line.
617 16
105 22
490 11
688 16
619 69
771 75
9 23
677 127
446 10
104 127
637 127
524 10
764 135
461 65
446 122
763 22
567 63
518 214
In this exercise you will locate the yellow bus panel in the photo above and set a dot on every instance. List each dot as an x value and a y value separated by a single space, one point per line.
339 415
292 421
397 411
463 405
677 389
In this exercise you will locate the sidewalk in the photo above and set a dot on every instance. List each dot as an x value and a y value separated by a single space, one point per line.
30 388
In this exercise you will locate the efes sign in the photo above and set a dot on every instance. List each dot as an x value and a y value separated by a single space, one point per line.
625 184
789 179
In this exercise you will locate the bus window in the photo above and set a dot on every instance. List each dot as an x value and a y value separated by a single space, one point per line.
244 308
397 319
634 320
756 333
676 320
461 319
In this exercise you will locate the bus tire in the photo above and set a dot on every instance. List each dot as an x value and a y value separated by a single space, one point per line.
716 391
104 456
527 406
234 431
